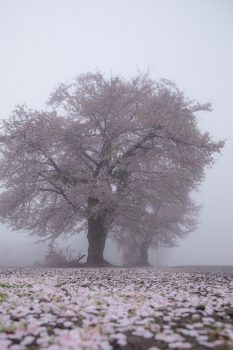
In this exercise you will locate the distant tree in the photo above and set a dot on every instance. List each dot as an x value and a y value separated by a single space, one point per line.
164 213
158 226
91 159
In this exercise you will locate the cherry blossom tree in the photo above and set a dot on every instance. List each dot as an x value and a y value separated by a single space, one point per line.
157 226
166 213
102 148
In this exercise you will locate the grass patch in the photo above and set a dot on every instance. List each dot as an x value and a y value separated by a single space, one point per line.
6 285
3 297
8 329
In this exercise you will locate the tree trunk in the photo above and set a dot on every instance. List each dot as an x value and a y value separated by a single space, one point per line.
144 259
96 239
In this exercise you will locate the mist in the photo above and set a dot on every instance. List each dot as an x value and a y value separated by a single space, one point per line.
47 42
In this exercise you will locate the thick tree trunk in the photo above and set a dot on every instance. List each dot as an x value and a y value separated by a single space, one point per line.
96 239
144 259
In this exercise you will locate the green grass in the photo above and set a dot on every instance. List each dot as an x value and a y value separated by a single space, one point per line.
6 285
3 297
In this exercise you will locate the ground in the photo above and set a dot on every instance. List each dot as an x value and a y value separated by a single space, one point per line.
118 309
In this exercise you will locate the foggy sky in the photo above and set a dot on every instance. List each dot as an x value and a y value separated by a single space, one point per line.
44 42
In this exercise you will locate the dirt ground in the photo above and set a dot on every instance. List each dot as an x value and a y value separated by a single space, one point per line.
116 308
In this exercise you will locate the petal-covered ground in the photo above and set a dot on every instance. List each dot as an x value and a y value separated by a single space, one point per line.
114 308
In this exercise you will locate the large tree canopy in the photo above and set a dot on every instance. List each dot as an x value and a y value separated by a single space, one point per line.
103 152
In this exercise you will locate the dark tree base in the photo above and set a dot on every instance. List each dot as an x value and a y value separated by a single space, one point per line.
138 265
102 263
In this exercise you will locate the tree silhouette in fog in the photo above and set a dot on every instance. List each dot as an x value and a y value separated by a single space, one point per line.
107 155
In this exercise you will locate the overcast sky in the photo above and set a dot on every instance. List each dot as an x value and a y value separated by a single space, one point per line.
44 42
